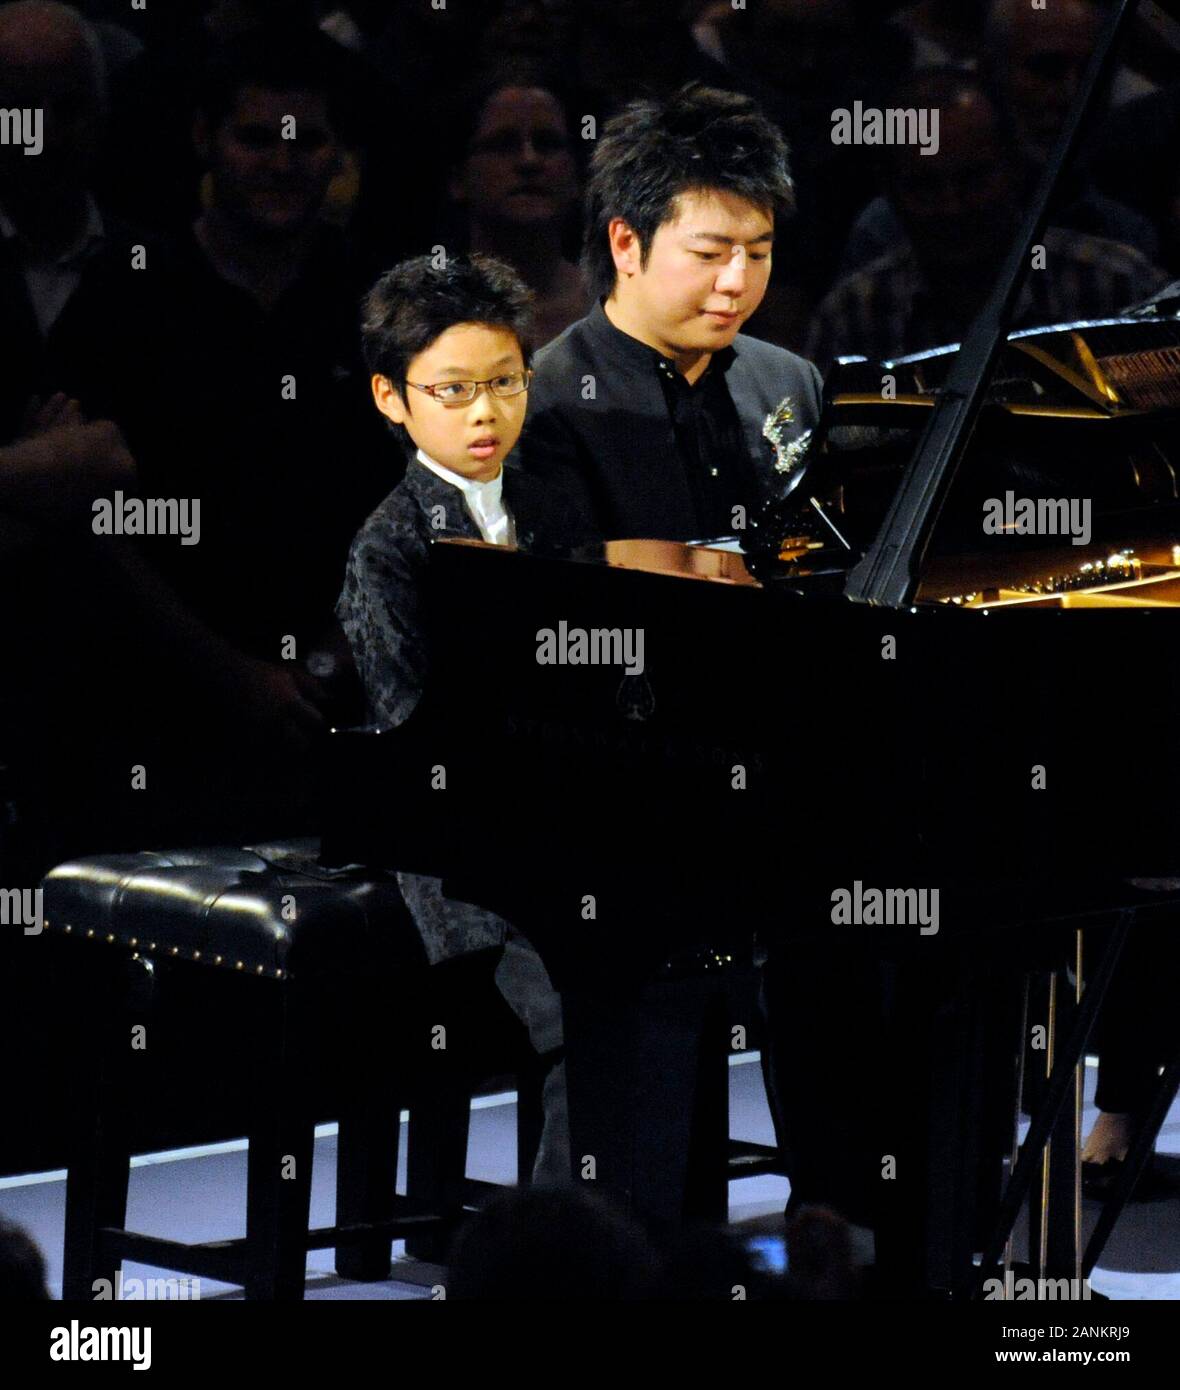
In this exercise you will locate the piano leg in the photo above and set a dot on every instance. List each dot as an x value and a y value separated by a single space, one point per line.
1060 1246
961 994
899 1120
707 1182
1062 1083
953 1012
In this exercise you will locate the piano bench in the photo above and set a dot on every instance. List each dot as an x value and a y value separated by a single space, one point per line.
320 977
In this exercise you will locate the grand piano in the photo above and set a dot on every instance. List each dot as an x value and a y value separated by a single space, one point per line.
941 667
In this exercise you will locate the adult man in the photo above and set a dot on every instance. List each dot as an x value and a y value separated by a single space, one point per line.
650 409
228 359
958 211
51 226
228 355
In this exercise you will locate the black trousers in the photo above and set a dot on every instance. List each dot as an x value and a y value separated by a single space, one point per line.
1138 1029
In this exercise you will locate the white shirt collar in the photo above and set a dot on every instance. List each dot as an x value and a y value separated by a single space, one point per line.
484 497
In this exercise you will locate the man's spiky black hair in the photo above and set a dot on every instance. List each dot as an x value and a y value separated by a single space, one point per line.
652 151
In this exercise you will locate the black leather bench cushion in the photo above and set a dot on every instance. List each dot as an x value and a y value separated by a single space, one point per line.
273 912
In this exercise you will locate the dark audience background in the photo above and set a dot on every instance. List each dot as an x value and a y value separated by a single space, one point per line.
422 128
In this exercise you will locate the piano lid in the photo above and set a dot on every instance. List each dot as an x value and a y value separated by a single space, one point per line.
1089 369
889 570
1074 459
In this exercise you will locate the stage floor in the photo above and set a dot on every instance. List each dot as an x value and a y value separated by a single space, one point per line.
200 1194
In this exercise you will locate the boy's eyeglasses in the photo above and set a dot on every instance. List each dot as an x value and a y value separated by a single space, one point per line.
461 392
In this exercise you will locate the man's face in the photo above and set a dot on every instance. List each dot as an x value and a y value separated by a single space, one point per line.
472 439
275 185
1042 72
519 170
707 271
957 205
48 68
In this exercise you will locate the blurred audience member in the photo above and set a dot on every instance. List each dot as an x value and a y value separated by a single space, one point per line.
165 702
1137 160
422 55
154 176
51 227
1036 60
230 20
708 19
627 49
552 1245
61 463
1034 63
115 27
943 33
22 1266
1048 51
727 1264
230 357
537 31
819 1246
566 1244
516 189
960 209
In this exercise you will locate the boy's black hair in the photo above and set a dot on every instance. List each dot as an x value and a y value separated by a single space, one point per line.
418 300
652 151
277 59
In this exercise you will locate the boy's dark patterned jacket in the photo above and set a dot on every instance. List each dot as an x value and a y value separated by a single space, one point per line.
381 611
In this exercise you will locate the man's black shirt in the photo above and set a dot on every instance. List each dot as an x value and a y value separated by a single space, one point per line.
625 434
708 439
707 430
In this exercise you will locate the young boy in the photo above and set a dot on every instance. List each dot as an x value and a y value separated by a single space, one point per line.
446 350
